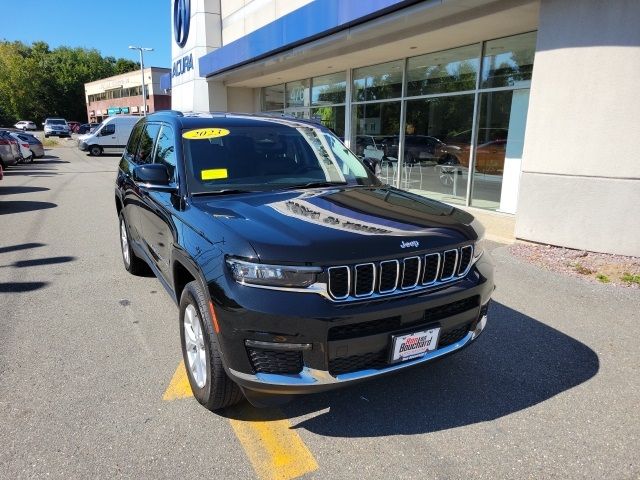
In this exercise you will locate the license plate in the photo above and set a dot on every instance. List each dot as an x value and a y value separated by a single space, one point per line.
414 345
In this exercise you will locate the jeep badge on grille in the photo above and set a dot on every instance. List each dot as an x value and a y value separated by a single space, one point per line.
413 243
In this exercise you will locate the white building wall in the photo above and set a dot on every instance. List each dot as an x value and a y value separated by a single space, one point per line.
189 91
241 17
580 184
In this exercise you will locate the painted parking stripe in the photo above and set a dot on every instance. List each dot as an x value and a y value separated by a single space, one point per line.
274 449
179 386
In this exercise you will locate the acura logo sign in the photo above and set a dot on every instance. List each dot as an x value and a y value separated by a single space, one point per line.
181 19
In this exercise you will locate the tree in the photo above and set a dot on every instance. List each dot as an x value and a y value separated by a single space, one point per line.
37 82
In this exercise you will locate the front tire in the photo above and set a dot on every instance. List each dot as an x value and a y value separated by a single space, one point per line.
95 150
132 264
201 352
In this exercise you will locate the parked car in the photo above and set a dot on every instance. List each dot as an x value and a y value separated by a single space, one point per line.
35 145
417 148
110 136
490 152
86 128
9 150
26 155
295 270
73 126
25 125
1 172
56 127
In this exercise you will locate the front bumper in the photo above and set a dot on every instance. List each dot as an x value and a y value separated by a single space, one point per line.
83 146
340 344
311 380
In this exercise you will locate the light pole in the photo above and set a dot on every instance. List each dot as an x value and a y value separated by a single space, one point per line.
144 90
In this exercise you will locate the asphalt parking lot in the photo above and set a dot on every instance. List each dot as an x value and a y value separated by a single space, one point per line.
91 384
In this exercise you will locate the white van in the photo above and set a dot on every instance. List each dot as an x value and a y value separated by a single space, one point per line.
110 136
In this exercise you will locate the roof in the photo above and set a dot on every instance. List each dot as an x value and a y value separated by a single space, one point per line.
217 119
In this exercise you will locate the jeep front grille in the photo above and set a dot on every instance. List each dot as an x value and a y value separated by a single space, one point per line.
402 275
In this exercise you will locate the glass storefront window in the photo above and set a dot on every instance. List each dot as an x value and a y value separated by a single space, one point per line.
447 71
375 125
501 126
378 82
273 98
330 117
329 89
297 94
508 62
437 145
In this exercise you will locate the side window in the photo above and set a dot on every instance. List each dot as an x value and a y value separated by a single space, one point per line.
109 129
166 151
132 144
145 146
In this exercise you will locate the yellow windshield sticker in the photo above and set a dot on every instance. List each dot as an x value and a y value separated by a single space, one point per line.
214 174
205 133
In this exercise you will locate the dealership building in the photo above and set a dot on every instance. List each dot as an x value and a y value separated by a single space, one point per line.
525 108
122 94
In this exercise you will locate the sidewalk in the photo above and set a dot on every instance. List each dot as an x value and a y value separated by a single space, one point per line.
499 226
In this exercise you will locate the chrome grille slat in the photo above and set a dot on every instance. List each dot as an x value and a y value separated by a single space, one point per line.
466 255
448 268
356 283
410 282
383 278
383 267
335 284
431 275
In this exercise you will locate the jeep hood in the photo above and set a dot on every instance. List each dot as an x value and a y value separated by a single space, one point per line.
349 224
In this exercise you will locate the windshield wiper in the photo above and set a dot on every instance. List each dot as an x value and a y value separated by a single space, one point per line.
226 191
313 184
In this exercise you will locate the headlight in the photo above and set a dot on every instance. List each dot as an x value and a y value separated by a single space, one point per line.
273 275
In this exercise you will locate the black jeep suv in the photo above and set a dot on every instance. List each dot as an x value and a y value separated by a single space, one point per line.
295 269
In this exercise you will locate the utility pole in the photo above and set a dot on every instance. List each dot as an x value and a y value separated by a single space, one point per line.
144 90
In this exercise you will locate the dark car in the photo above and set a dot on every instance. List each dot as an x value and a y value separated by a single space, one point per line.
86 128
417 148
295 270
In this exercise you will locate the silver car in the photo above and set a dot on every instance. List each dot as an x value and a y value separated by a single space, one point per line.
56 127
9 150
35 145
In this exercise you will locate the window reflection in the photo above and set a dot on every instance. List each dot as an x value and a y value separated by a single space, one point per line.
378 82
508 61
273 98
447 71
329 89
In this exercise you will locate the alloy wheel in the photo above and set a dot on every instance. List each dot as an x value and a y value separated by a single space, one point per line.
194 346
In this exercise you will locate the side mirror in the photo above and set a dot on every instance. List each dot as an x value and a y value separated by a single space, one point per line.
153 176
372 165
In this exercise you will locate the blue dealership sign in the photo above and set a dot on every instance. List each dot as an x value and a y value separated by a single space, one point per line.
181 21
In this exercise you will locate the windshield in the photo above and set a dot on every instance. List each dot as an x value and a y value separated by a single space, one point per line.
269 157
56 122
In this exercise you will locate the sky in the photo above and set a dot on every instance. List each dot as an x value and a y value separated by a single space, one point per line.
110 26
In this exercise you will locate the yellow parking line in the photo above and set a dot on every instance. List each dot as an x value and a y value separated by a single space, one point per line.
274 449
179 386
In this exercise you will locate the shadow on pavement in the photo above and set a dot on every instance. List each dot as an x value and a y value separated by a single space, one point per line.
518 362
21 246
15 190
7 207
18 287
41 261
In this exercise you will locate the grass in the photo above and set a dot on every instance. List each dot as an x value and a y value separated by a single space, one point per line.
628 278
581 269
603 278
48 142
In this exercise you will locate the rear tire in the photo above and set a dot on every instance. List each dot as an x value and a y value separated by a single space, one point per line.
132 264
201 352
